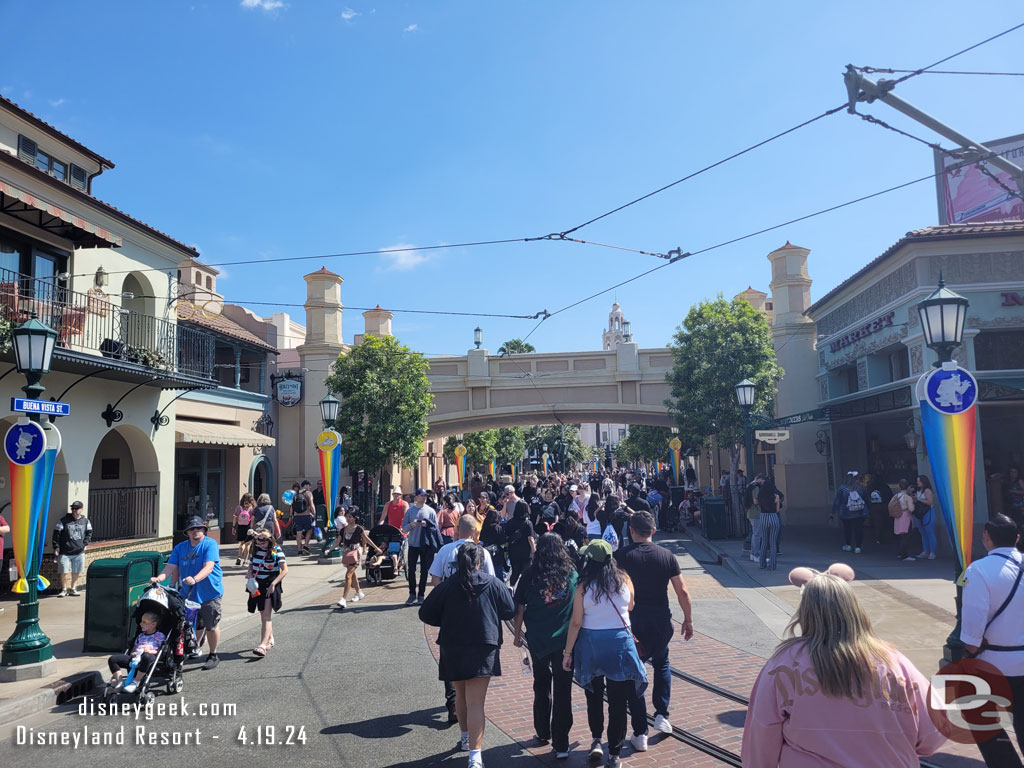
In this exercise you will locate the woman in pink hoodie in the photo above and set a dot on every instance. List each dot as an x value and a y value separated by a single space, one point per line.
837 695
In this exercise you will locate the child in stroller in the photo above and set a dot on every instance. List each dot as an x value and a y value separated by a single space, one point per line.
163 637
389 563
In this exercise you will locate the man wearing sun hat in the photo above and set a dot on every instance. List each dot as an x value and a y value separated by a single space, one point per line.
195 562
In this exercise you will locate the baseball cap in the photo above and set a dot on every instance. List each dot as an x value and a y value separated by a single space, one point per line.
598 550
77 505
396 490
421 492
573 487
510 489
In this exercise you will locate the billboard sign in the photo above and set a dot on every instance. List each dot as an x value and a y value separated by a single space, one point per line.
967 194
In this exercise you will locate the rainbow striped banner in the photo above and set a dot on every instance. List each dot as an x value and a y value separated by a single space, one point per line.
948 396
460 463
546 463
597 463
329 443
493 466
675 447
31 486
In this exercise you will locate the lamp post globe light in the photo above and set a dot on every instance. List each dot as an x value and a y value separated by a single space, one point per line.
943 315
745 391
33 343
478 336
329 410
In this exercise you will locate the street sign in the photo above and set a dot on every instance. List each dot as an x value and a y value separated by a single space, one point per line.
45 407
772 436
25 443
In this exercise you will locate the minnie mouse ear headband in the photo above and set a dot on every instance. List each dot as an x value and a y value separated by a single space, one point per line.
800 576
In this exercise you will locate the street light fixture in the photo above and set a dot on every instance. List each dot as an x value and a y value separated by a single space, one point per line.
627 329
478 336
943 315
329 410
33 351
745 396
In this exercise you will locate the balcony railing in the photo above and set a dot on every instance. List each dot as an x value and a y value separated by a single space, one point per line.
123 513
94 325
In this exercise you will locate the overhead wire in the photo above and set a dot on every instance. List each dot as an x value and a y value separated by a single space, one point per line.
887 71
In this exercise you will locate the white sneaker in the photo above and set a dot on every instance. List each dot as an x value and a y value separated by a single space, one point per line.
131 687
662 724
355 598
476 762
596 752
464 743
856 551
905 559
639 742
342 603
846 547
360 595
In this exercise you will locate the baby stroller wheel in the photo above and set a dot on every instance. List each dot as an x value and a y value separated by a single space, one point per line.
147 698
176 684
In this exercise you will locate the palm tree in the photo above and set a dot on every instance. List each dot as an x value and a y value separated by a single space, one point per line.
515 347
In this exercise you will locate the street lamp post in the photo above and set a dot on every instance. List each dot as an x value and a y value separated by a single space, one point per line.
745 396
478 336
943 316
329 410
33 350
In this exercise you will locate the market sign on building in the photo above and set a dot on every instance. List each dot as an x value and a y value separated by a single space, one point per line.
968 194
879 323
289 392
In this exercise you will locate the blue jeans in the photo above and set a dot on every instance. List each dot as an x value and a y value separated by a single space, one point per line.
927 529
661 690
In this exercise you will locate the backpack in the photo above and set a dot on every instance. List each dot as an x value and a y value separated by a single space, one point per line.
611 536
300 506
895 507
854 503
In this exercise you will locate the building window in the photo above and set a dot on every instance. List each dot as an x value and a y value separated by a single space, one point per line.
769 306
209 283
110 469
622 434
29 152
850 379
604 437
999 350
899 365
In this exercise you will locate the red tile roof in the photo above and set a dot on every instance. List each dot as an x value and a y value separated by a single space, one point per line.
227 327
105 207
59 135
324 271
790 245
935 233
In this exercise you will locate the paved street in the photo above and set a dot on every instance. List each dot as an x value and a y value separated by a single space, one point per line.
362 683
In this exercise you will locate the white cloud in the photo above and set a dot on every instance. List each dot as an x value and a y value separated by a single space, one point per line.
348 14
404 260
266 5
56 102
411 28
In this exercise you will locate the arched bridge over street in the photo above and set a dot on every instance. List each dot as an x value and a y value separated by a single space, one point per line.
478 390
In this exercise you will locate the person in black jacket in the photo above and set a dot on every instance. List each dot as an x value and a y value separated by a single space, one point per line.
71 536
469 609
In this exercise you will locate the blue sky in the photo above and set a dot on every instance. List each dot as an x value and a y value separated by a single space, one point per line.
261 129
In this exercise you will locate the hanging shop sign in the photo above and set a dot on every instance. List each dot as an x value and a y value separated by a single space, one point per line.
878 324
771 436
289 392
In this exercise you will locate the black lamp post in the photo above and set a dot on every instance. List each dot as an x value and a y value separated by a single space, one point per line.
627 329
478 336
329 410
943 315
745 397
33 350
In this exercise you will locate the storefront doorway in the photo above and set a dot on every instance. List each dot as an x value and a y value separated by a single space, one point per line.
199 486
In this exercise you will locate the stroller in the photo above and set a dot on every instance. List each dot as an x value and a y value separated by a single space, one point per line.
177 623
392 541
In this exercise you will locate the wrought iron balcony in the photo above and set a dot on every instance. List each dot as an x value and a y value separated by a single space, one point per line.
94 325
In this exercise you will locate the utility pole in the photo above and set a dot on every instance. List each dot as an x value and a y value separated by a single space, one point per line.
862 88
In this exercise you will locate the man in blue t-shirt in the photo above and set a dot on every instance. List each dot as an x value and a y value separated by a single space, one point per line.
195 562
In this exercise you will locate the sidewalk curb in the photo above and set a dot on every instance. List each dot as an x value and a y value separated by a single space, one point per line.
723 559
59 692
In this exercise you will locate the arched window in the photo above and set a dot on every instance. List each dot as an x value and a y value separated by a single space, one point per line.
209 283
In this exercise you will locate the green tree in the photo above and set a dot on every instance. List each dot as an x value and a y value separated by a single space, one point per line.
576 452
481 447
719 344
515 347
644 442
385 398
511 444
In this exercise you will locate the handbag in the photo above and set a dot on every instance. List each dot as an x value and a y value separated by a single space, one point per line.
636 642
920 509
351 557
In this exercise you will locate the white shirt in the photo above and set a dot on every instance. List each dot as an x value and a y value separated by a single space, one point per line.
987 584
444 564
606 613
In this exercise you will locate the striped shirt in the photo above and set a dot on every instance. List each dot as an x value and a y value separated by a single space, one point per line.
267 562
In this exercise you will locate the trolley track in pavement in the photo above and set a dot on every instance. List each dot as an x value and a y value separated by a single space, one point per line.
699 742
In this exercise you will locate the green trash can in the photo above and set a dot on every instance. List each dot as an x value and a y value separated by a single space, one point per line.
714 518
150 556
114 586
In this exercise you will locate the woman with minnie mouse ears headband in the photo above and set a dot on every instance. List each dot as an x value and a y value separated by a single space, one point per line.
836 694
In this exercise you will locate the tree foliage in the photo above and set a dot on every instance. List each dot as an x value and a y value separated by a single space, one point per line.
515 347
644 442
511 444
481 447
385 398
576 452
719 344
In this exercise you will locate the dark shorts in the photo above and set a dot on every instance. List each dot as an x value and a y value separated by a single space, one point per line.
259 603
241 532
464 662
209 614
302 523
